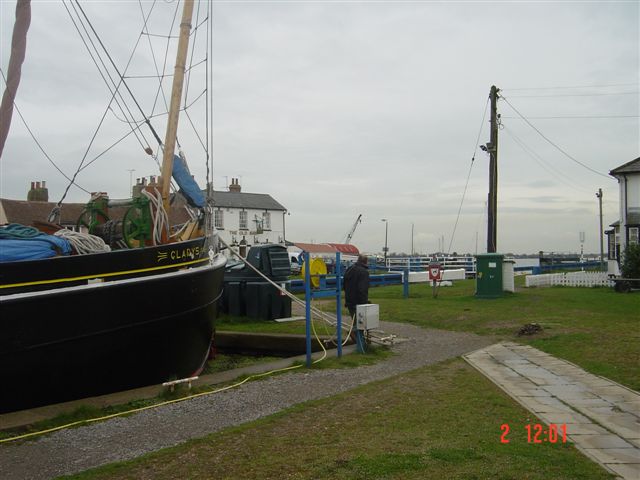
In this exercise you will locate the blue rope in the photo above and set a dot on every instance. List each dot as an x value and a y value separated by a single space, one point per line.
17 231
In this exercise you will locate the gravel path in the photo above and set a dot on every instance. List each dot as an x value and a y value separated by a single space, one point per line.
75 450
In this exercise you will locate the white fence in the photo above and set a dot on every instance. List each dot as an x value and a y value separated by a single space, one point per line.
418 277
570 279
422 263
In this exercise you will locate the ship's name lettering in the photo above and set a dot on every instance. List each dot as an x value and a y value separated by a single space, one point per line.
192 253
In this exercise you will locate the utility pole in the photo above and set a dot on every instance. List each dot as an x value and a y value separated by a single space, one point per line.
386 237
599 195
412 240
492 149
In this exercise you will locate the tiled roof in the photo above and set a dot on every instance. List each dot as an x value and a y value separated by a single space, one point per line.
26 212
255 201
315 247
345 248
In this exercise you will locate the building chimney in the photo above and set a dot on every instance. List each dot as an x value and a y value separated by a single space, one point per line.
38 192
235 186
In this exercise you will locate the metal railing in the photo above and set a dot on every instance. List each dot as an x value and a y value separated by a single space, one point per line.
447 262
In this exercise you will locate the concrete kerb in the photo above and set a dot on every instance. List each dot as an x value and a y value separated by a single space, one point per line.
24 418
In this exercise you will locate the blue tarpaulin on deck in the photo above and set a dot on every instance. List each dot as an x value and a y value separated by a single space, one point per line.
18 242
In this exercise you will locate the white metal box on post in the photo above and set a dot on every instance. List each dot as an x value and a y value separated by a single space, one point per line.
367 316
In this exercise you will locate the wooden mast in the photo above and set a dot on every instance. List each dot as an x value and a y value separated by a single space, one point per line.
18 51
176 97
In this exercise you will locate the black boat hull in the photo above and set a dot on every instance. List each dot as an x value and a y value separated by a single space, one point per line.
90 339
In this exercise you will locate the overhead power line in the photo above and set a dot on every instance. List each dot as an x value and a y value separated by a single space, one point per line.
561 150
575 94
566 87
557 174
577 116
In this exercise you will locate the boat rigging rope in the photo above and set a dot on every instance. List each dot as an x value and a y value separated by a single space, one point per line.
83 243
159 215
115 92
38 144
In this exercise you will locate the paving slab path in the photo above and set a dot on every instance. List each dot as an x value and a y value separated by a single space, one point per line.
602 417
123 438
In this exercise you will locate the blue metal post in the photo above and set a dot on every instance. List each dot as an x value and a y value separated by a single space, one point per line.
307 299
405 283
339 303
360 342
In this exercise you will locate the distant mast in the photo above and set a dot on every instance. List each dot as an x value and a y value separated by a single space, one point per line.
492 149
176 97
18 51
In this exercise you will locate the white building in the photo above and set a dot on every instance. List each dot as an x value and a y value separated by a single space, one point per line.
248 218
625 231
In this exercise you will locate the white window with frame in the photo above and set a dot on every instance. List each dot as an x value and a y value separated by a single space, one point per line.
266 220
634 235
243 225
218 219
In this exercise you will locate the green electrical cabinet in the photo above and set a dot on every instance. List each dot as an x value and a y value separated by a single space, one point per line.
489 275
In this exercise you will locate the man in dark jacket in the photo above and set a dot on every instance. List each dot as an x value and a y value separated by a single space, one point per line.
356 285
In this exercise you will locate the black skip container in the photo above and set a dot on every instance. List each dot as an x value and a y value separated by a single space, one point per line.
248 294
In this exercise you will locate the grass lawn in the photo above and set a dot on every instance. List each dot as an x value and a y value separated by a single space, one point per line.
595 328
441 421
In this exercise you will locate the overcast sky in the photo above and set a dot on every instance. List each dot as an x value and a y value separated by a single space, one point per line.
374 108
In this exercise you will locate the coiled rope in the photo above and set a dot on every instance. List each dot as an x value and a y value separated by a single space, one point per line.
159 215
83 243
18 231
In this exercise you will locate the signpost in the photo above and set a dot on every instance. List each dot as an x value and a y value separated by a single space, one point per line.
435 275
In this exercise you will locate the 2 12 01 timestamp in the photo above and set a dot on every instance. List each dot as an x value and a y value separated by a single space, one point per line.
537 433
